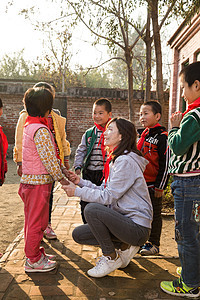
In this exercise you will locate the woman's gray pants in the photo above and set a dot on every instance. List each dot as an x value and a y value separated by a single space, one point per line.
108 229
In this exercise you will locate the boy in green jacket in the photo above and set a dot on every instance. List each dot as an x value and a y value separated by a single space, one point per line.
91 154
184 165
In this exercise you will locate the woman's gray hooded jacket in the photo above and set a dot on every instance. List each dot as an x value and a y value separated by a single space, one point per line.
126 190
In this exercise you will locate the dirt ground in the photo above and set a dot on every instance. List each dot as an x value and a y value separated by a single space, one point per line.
12 215
11 208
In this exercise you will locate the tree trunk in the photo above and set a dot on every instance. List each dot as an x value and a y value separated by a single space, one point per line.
129 59
148 40
158 52
63 83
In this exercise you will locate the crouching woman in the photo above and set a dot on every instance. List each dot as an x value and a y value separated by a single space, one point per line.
119 214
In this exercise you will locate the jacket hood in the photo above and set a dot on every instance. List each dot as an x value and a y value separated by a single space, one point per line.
140 160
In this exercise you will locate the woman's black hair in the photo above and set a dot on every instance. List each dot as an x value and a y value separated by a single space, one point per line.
128 137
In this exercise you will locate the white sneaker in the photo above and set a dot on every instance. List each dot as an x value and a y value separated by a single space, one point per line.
104 266
127 255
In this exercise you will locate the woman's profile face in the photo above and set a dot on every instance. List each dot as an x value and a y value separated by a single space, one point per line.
112 137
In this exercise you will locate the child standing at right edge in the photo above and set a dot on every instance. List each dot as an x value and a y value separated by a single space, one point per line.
184 142
153 145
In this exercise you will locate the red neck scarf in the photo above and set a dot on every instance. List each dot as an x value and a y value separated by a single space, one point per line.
193 105
101 139
106 169
33 120
143 135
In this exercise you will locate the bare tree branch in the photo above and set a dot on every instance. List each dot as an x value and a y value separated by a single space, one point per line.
113 58
95 33
167 14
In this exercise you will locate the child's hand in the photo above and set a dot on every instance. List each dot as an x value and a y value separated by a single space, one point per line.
65 172
66 164
69 189
78 172
64 181
19 170
73 177
175 119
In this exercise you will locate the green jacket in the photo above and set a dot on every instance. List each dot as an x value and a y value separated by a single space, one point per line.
90 138
184 143
84 150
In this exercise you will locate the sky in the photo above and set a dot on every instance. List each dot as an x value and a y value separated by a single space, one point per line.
17 33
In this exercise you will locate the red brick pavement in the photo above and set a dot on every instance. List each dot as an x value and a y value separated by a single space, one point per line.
140 280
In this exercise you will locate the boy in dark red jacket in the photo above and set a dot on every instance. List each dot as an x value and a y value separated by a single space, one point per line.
3 150
153 145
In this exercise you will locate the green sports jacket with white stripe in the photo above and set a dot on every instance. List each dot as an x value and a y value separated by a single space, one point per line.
184 143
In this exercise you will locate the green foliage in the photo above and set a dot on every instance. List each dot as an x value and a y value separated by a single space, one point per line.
186 9
118 67
168 200
108 20
95 78
167 192
16 67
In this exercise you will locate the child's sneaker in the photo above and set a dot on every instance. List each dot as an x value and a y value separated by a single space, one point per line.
149 249
179 270
127 255
105 265
42 265
49 233
50 256
178 288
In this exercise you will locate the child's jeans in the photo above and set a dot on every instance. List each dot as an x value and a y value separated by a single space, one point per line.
186 192
36 212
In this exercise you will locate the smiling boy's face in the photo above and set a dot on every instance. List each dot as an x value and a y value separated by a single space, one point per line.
147 116
100 115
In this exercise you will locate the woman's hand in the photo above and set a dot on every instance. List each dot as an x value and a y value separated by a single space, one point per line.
69 189
175 119
73 177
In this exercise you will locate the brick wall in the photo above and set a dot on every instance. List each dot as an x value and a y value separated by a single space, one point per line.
79 110
76 105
